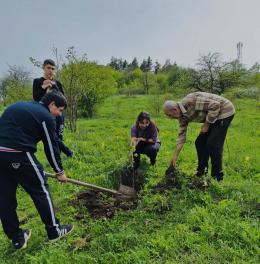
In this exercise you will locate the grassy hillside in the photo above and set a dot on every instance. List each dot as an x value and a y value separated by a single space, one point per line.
218 225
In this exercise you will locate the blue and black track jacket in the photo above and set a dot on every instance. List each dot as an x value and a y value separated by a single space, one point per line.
24 124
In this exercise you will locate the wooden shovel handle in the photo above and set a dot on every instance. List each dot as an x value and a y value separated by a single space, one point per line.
85 184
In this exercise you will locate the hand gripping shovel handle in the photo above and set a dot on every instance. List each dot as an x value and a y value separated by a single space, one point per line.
85 184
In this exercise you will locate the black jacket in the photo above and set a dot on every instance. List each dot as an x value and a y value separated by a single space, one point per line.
39 92
24 124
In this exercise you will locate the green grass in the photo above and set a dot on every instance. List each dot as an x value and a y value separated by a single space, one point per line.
219 225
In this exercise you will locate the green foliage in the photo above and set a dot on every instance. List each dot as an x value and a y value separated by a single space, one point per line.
86 85
243 92
147 65
216 225
15 86
18 93
211 74
103 85
215 76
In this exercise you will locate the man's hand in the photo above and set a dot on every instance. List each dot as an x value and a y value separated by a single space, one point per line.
176 154
61 177
205 128
47 84
141 139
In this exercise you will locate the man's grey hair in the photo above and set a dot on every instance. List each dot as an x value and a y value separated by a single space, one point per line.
169 105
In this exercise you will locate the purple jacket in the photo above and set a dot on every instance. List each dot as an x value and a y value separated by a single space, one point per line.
151 132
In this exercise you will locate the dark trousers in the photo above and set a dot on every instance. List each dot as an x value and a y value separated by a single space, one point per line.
24 169
148 149
211 145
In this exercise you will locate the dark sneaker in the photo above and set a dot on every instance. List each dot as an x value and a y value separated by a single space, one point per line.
63 231
201 172
219 176
21 243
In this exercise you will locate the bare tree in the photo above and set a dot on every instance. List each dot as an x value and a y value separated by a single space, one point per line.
209 67
215 76
18 74
14 85
57 58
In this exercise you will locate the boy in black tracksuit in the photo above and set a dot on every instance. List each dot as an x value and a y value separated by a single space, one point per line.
22 126
43 85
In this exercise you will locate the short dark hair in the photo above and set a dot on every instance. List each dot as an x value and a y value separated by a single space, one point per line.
54 96
49 62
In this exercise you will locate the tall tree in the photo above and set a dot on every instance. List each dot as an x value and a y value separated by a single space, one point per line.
143 66
157 67
147 65
124 65
167 65
134 64
114 63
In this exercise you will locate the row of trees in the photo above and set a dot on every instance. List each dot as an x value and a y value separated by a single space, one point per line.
87 83
211 74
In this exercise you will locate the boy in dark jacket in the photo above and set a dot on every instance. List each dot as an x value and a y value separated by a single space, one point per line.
22 126
40 87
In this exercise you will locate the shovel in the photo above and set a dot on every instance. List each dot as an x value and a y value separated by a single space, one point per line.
85 184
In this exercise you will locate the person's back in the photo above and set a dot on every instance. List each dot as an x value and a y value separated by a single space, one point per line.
21 125
197 101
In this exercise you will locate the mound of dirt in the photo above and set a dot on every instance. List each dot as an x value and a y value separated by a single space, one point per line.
100 205
170 181
198 183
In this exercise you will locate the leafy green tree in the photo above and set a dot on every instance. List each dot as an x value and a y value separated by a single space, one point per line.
161 82
130 82
167 65
86 85
114 63
143 65
134 64
157 67
146 65
102 85
148 81
124 65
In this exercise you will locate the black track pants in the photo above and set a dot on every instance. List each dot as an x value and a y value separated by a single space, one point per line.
24 169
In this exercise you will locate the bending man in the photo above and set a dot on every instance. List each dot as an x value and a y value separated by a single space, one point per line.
216 114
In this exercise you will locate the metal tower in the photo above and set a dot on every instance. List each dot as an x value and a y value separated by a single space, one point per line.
239 51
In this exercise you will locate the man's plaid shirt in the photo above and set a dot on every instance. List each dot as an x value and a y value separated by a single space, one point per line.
201 107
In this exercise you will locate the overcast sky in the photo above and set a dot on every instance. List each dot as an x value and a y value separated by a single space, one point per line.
179 30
